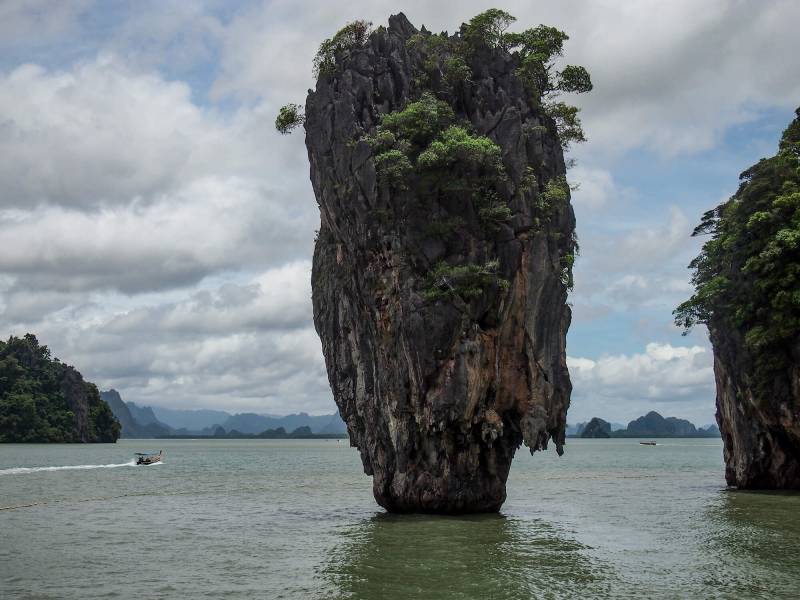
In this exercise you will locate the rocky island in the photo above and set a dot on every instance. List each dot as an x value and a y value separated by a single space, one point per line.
597 428
44 400
445 250
746 281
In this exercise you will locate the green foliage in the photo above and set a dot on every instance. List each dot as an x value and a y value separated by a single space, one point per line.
456 147
747 276
456 70
466 281
289 117
543 42
419 121
384 141
33 405
493 215
442 57
487 28
393 167
423 128
574 79
351 36
567 262
538 48
568 124
529 183
554 196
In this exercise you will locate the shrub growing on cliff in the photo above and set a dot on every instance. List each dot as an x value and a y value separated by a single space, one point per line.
488 28
423 128
537 49
455 147
747 276
467 281
419 122
289 117
553 197
353 35
393 168
494 215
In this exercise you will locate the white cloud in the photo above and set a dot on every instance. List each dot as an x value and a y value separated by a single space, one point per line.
102 133
596 188
244 346
94 135
211 225
680 378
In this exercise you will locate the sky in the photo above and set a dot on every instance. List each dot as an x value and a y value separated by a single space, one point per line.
157 233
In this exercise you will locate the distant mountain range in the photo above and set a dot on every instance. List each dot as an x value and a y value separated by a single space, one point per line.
650 425
150 422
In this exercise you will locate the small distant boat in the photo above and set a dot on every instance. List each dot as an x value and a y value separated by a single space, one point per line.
148 459
648 443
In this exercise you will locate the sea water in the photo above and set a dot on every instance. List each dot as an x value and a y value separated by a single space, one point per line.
296 519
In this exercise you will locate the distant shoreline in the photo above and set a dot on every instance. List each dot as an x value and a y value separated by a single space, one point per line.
254 436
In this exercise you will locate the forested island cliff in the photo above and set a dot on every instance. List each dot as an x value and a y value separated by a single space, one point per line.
747 281
44 400
445 250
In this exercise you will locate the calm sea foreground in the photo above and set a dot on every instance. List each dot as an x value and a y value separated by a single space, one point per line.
296 519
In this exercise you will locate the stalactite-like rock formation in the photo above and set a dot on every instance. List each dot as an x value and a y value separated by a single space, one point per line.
440 273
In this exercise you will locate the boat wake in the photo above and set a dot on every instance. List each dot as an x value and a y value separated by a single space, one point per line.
24 470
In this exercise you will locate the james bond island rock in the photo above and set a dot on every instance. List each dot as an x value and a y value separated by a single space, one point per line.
747 281
445 251
44 400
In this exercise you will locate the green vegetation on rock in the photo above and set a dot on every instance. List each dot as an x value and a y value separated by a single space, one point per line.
537 49
353 35
289 117
747 276
44 400
424 151
465 281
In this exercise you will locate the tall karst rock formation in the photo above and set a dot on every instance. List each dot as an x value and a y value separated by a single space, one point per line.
747 281
444 254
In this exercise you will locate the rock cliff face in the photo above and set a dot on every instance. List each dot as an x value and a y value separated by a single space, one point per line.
761 439
438 393
131 427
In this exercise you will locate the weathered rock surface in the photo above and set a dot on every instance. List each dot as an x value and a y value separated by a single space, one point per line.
437 395
761 439
597 428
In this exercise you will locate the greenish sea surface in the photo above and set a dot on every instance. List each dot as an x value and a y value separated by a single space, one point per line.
296 519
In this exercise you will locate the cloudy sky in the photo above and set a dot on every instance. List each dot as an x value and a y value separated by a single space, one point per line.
157 233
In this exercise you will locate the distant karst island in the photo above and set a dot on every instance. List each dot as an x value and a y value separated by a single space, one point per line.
650 425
